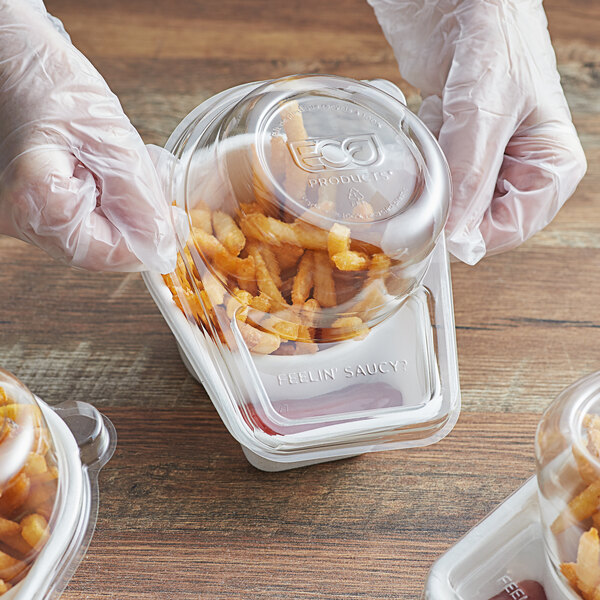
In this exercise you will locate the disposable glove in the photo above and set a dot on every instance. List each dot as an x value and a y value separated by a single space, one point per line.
75 177
487 73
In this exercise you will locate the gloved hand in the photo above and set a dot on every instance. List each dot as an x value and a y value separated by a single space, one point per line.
75 177
487 73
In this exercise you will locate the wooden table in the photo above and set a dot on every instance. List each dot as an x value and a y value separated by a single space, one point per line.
183 516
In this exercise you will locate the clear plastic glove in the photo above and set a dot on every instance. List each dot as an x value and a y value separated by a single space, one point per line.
487 73
75 177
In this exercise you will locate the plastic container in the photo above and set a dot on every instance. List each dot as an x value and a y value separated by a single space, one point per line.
312 294
49 462
546 531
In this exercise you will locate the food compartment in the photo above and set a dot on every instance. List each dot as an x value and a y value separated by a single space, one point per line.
28 481
568 457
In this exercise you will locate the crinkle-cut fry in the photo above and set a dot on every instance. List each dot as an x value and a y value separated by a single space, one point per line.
579 508
338 239
263 277
3 397
349 327
363 211
262 302
272 263
288 255
15 494
588 561
228 233
259 342
269 230
200 217
569 572
303 281
324 286
223 259
10 567
275 232
350 261
34 529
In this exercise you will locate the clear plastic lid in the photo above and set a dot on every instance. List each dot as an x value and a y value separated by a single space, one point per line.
568 459
314 206
314 203
28 481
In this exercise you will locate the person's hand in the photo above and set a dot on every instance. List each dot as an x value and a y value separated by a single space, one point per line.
487 73
75 177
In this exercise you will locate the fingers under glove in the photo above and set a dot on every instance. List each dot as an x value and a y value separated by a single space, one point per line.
75 177
493 98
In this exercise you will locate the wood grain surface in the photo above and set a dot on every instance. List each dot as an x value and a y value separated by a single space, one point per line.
182 515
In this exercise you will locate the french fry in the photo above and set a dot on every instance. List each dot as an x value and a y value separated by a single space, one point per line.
10 567
8 528
200 217
338 239
4 587
587 567
272 263
15 495
223 259
34 529
259 342
288 256
3 397
372 298
303 282
324 286
349 327
275 232
261 302
35 465
238 305
263 278
350 260
579 508
570 573
228 233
